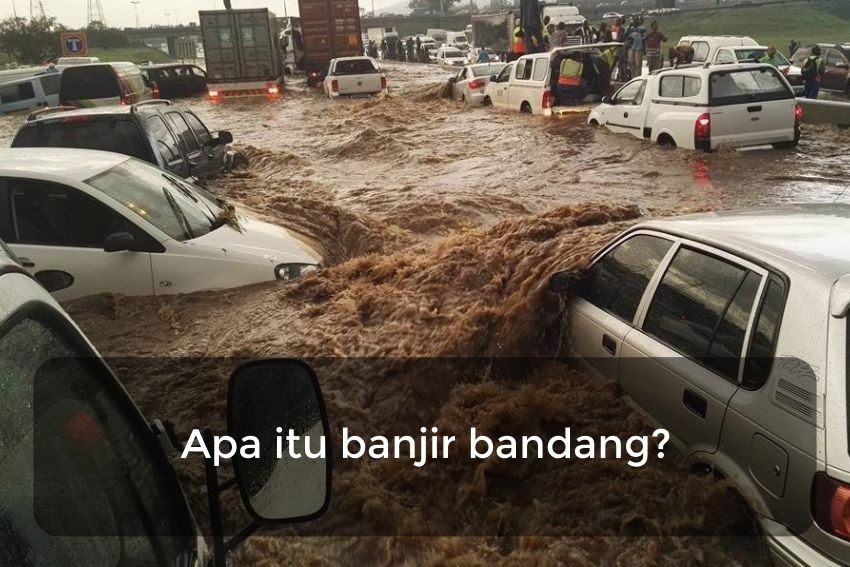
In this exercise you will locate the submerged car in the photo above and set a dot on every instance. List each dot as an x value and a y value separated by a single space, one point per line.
732 331
354 76
469 83
98 222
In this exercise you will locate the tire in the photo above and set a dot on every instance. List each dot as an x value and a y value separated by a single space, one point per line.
594 124
525 108
488 102
463 99
665 141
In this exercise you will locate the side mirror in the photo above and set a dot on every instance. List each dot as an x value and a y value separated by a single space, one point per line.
607 100
54 280
119 241
224 137
266 395
561 282
494 78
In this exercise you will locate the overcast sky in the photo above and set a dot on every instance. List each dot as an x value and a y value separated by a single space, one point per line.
120 13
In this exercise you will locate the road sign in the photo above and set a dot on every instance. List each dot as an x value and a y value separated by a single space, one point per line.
74 44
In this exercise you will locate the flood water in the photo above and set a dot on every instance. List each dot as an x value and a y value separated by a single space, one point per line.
439 225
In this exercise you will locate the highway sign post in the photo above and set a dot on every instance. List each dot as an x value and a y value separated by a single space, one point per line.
74 44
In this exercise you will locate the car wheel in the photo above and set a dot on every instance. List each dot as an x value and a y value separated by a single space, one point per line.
666 141
463 99
487 101
594 124
525 108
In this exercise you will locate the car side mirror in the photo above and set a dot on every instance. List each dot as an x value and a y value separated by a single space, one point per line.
265 397
567 280
494 78
607 100
54 280
224 137
119 242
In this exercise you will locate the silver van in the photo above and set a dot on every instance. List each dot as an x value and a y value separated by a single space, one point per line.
29 92
731 331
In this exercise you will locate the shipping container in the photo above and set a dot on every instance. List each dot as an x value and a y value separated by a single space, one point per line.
493 31
241 51
330 29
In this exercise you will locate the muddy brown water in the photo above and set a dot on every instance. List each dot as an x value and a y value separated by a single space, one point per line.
439 225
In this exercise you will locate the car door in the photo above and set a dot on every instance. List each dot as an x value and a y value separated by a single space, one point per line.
458 87
50 88
608 297
682 364
199 80
212 152
198 165
628 113
518 91
500 92
166 145
58 232
17 96
835 71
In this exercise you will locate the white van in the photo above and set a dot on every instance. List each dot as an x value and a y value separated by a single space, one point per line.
31 92
527 85
700 107
458 40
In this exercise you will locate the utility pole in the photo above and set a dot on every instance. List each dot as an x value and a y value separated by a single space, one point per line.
135 4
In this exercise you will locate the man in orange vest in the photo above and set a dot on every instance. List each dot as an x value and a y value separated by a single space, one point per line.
571 86
517 40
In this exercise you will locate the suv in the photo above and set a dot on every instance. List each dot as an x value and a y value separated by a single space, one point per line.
87 478
836 58
700 107
731 331
175 80
156 131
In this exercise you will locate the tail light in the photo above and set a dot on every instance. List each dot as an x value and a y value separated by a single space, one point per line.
214 94
383 82
334 86
155 90
831 505
476 84
702 132
798 115
273 90
547 99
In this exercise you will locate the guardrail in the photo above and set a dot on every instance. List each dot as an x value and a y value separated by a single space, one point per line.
825 111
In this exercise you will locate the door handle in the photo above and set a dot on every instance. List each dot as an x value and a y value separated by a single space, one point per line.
26 262
754 108
625 115
609 344
695 403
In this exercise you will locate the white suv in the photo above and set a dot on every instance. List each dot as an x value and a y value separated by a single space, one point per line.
699 107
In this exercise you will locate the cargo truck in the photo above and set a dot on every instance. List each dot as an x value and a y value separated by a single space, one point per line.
241 51
330 29
494 31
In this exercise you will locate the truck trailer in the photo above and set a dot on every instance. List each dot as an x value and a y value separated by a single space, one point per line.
241 51
494 31
330 29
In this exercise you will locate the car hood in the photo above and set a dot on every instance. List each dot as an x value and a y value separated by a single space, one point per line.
259 241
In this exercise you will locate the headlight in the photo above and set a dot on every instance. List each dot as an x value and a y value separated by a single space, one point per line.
289 272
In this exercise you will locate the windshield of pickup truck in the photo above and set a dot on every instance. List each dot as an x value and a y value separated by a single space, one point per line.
354 67
80 131
179 209
756 55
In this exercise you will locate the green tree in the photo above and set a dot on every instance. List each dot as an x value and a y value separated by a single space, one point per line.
435 6
32 40
99 35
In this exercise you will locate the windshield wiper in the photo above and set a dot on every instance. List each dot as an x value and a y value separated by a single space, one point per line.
178 212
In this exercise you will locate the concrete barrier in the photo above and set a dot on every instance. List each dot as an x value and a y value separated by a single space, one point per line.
825 111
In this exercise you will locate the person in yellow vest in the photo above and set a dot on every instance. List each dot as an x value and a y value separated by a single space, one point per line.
517 41
571 86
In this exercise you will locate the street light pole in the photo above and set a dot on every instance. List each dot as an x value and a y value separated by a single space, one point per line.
168 18
135 4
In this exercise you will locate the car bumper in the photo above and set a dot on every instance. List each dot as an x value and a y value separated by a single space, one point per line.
475 99
789 550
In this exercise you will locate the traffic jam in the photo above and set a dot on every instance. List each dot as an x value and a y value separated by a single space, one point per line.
550 222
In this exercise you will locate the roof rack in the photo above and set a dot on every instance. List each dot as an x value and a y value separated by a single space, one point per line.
149 102
49 110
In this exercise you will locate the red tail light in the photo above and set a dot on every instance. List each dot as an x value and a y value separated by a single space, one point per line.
334 86
476 84
547 99
831 505
702 132
383 82
798 114
273 90
155 90
214 94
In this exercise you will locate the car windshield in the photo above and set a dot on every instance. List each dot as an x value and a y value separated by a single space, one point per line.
354 67
179 209
757 54
452 54
120 136
487 70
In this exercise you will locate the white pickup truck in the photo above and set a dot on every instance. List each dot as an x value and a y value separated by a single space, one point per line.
703 107
354 76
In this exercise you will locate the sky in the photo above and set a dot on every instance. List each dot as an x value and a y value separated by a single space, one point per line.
120 13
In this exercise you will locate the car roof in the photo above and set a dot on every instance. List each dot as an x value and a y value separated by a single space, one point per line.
58 163
724 40
815 237
98 111
165 65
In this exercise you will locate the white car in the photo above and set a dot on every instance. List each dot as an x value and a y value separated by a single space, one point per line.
98 222
734 105
526 86
354 76
450 56
753 54
705 46
469 83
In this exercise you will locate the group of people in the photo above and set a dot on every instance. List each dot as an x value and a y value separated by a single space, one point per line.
395 48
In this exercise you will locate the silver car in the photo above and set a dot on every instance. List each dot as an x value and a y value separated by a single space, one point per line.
469 83
730 330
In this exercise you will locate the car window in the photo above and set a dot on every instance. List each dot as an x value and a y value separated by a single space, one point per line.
617 281
462 74
701 50
632 93
765 331
89 82
800 56
724 56
833 58
354 67
16 93
679 86
541 65
166 143
86 487
523 69
198 72
701 309
183 132
120 136
50 83
198 128
50 214
747 85
487 70
504 75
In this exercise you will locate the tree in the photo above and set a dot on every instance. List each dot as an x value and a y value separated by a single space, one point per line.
33 40
99 35
434 6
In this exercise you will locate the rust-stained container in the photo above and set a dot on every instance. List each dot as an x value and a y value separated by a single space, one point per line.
330 29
